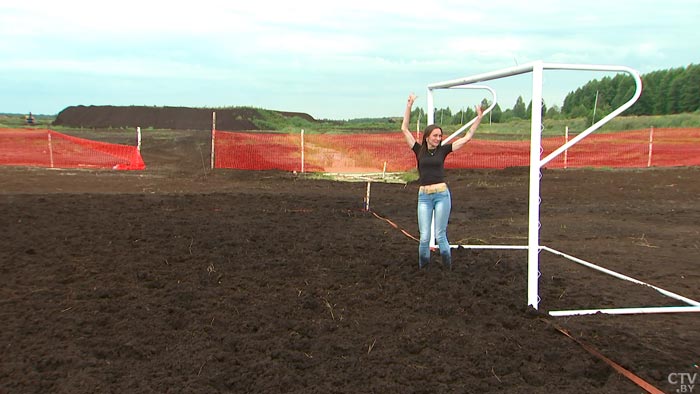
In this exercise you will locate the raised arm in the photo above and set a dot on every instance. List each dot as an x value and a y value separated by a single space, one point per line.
460 142
410 140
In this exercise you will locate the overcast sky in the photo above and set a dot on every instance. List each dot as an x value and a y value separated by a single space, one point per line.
333 60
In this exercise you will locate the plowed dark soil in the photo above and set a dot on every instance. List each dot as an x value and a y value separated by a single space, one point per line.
180 279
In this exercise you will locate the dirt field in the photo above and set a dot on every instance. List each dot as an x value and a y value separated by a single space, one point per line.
179 279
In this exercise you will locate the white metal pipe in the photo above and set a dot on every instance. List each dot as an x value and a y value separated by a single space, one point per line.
525 68
511 247
487 110
566 152
506 72
418 127
213 134
533 237
302 151
50 149
431 109
651 145
536 162
138 139
595 106
606 119
431 120
456 133
588 67
627 311
621 276
369 185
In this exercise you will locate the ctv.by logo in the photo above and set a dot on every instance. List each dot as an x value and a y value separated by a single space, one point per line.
685 381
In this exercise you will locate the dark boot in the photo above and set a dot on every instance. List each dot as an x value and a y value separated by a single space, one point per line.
447 260
423 261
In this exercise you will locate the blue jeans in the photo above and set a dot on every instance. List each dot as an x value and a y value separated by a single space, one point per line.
440 203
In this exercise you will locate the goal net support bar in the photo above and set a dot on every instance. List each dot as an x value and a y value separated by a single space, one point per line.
536 161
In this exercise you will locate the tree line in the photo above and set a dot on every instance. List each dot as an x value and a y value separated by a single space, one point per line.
664 92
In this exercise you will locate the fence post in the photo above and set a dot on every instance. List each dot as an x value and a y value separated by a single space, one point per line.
213 133
302 151
651 143
138 138
369 184
566 152
50 149
418 127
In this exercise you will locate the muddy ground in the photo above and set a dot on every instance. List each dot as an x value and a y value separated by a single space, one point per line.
183 279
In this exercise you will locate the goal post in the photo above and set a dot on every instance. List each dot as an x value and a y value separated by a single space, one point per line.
533 246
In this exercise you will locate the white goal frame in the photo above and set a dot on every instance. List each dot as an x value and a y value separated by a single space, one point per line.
533 246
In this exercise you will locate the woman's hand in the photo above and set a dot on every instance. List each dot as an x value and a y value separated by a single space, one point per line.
410 140
411 99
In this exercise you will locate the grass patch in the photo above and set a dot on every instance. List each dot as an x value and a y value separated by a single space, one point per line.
514 129
390 177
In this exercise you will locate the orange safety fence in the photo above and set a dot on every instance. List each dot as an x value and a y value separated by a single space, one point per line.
362 153
47 148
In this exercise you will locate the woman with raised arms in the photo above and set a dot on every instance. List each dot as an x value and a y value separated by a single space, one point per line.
433 195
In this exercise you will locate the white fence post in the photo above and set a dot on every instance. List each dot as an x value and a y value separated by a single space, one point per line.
302 151
651 143
50 149
213 138
369 184
566 152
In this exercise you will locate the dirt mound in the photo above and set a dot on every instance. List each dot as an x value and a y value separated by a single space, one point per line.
174 118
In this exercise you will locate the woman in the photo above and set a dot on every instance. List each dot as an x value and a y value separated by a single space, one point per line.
433 194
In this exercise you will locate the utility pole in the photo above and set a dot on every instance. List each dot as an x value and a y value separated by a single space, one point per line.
595 105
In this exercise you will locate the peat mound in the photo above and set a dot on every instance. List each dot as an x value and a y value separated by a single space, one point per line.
173 118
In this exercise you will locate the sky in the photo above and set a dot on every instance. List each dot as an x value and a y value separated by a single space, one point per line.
332 60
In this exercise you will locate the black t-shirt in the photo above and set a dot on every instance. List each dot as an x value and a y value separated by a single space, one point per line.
431 166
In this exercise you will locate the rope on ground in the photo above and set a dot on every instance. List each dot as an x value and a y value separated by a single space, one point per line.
395 226
619 368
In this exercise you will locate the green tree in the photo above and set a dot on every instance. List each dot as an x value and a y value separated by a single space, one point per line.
689 100
674 95
645 104
529 109
624 90
496 114
553 112
519 109
443 116
668 93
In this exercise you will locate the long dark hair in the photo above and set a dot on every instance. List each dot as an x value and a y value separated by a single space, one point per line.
426 132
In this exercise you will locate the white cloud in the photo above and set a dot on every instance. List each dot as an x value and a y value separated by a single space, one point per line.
315 45
117 68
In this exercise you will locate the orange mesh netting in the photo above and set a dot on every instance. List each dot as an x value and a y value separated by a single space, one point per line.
47 148
361 153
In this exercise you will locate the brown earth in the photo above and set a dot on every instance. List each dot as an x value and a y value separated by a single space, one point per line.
185 279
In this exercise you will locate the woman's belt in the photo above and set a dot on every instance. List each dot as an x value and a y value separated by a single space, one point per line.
436 188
